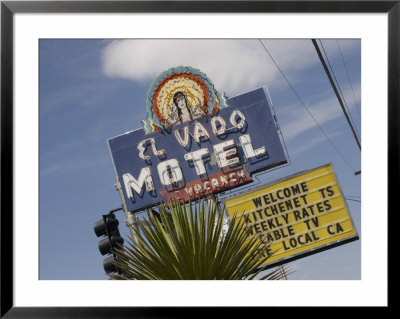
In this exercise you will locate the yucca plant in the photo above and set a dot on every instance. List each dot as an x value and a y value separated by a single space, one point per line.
186 242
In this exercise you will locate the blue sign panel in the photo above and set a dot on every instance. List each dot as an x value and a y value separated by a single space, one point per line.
207 155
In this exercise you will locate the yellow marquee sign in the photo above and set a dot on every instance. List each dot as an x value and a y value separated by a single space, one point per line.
298 216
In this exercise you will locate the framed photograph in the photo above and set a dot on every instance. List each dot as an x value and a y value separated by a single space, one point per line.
80 78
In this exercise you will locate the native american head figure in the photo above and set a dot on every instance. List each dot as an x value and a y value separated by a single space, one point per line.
180 95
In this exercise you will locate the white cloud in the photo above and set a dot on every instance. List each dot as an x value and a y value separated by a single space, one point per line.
301 148
234 66
295 120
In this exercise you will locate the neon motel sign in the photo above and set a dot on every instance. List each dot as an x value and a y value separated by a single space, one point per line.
194 141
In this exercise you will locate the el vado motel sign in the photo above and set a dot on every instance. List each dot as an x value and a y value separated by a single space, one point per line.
194 142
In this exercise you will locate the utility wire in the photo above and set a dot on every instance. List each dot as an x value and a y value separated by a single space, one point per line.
306 108
356 196
348 78
339 88
334 76
336 91
354 200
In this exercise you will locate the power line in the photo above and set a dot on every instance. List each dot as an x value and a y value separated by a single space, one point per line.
348 78
336 91
306 108
354 200
339 88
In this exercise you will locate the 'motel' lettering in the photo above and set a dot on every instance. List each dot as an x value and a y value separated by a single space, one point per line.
199 156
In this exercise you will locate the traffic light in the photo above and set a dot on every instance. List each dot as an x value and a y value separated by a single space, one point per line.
108 227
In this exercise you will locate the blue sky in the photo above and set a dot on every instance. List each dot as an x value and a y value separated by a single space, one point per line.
92 90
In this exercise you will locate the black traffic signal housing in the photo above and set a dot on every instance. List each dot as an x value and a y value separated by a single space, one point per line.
108 227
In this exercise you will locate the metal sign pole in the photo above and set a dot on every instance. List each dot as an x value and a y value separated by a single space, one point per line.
212 202
131 220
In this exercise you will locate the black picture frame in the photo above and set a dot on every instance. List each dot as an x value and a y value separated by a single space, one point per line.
9 8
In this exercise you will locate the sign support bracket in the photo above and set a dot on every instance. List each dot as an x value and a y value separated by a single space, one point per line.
131 220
